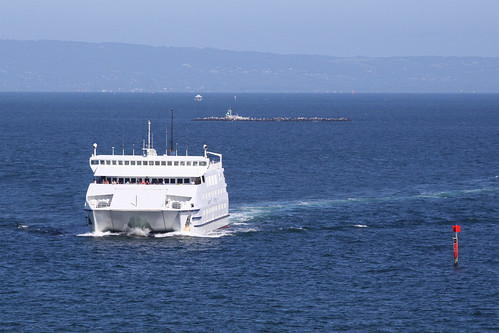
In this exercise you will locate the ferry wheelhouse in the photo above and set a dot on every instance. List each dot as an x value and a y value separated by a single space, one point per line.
157 193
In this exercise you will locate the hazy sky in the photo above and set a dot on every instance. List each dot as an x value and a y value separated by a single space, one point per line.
329 27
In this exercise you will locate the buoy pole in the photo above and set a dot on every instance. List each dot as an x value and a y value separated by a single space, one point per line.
456 229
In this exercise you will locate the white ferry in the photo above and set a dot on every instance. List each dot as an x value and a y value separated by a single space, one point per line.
157 193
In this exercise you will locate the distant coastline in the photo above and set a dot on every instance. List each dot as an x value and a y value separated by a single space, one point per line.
60 66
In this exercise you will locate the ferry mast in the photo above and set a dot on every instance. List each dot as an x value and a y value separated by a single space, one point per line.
171 135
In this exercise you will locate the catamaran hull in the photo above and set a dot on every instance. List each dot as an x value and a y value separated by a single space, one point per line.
204 228
160 221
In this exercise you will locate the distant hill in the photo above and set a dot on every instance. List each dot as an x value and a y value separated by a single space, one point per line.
78 66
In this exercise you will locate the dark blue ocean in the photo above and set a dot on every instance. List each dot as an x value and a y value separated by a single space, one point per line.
336 226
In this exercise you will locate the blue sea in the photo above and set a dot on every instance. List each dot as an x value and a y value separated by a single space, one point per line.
335 226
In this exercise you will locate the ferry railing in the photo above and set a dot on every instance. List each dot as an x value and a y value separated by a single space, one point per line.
213 163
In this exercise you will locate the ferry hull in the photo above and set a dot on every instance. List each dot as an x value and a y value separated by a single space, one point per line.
153 221
210 226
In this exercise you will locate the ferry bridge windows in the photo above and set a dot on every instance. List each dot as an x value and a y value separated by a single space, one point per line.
151 163
147 180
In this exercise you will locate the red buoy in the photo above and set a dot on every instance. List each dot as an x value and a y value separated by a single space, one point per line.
456 229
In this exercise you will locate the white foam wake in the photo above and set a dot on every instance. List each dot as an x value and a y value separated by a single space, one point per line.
99 234
138 232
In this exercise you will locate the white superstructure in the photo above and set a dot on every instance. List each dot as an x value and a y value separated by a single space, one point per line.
157 193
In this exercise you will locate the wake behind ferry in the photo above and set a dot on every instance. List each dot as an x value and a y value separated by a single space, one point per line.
157 193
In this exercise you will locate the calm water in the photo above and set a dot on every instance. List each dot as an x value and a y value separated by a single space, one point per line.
342 226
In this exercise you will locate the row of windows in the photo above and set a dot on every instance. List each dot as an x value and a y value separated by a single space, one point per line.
147 180
154 163
216 208
217 211
212 193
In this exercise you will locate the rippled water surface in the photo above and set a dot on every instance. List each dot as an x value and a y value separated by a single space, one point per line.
336 226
